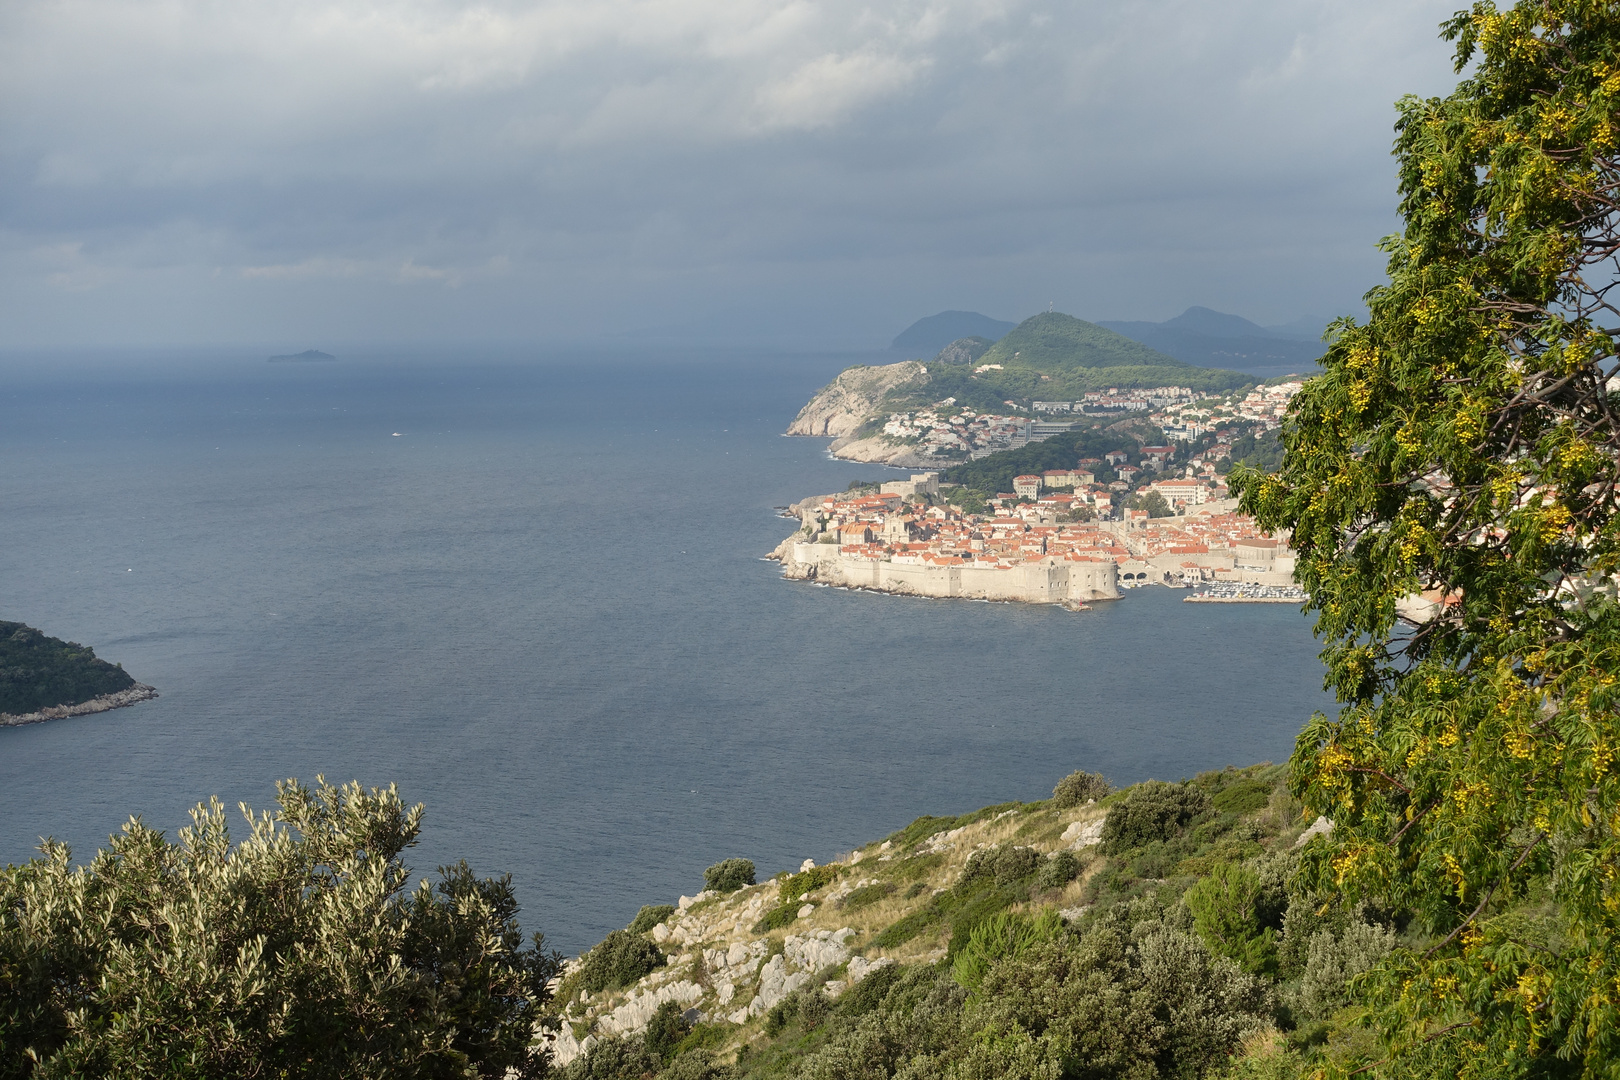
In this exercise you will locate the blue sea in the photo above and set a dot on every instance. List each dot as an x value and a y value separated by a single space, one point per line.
528 589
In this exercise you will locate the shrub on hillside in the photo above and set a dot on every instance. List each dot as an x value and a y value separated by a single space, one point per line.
1131 997
806 881
1079 788
1242 796
1332 960
1001 937
650 916
1005 865
665 1030
729 875
621 959
300 949
615 1058
1059 870
1226 910
867 894
1153 810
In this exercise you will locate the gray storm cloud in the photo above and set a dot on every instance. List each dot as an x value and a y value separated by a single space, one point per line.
192 170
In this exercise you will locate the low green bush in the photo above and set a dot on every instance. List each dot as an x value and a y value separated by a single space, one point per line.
621 959
777 918
650 916
729 875
1242 796
1153 810
917 889
1058 871
806 881
997 938
666 1030
869 993
1079 788
1225 907
867 894
807 1008
1005 865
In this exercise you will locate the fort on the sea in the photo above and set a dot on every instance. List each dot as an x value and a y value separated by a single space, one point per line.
906 538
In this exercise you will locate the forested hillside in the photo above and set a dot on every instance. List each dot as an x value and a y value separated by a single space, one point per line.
37 672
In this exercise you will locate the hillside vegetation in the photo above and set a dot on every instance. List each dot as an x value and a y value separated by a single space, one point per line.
1147 933
37 672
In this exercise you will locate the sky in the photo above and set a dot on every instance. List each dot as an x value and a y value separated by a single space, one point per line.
778 172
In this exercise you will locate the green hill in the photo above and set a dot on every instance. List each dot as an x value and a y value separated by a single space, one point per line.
1053 342
37 672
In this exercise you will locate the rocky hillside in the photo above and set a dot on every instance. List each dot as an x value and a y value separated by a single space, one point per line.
1166 904
843 405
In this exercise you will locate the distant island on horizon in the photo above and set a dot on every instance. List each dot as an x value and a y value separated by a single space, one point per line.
306 355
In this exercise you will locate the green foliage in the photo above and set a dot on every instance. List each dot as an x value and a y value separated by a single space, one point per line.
650 916
1152 502
1054 342
1333 959
1226 909
1466 440
299 952
729 875
920 829
1262 452
992 474
1242 797
805 1008
1079 788
1000 937
1003 865
1130 997
620 959
971 501
37 672
666 1030
1059 870
614 1059
867 894
806 881
1151 811
778 917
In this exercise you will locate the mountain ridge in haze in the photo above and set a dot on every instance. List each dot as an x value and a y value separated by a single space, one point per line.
1208 338
931 334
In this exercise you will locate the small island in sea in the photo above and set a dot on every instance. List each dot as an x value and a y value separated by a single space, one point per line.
46 678
306 355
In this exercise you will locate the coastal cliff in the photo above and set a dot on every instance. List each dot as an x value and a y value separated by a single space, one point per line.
843 405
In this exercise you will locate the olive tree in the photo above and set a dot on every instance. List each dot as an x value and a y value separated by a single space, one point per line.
301 951
1463 445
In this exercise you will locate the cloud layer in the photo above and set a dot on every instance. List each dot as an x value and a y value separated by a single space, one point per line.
194 170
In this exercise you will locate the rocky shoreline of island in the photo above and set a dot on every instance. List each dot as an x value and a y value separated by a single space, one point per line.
134 695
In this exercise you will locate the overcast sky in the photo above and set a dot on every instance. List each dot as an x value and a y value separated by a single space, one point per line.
808 173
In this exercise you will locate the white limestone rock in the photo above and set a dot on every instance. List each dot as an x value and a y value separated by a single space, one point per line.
804 912
1320 827
633 1015
1083 834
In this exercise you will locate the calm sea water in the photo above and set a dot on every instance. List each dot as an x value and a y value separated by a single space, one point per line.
540 609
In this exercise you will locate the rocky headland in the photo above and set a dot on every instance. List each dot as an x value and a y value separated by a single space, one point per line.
46 678
133 696
840 409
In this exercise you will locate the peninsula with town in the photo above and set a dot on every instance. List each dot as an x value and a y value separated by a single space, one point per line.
1067 500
